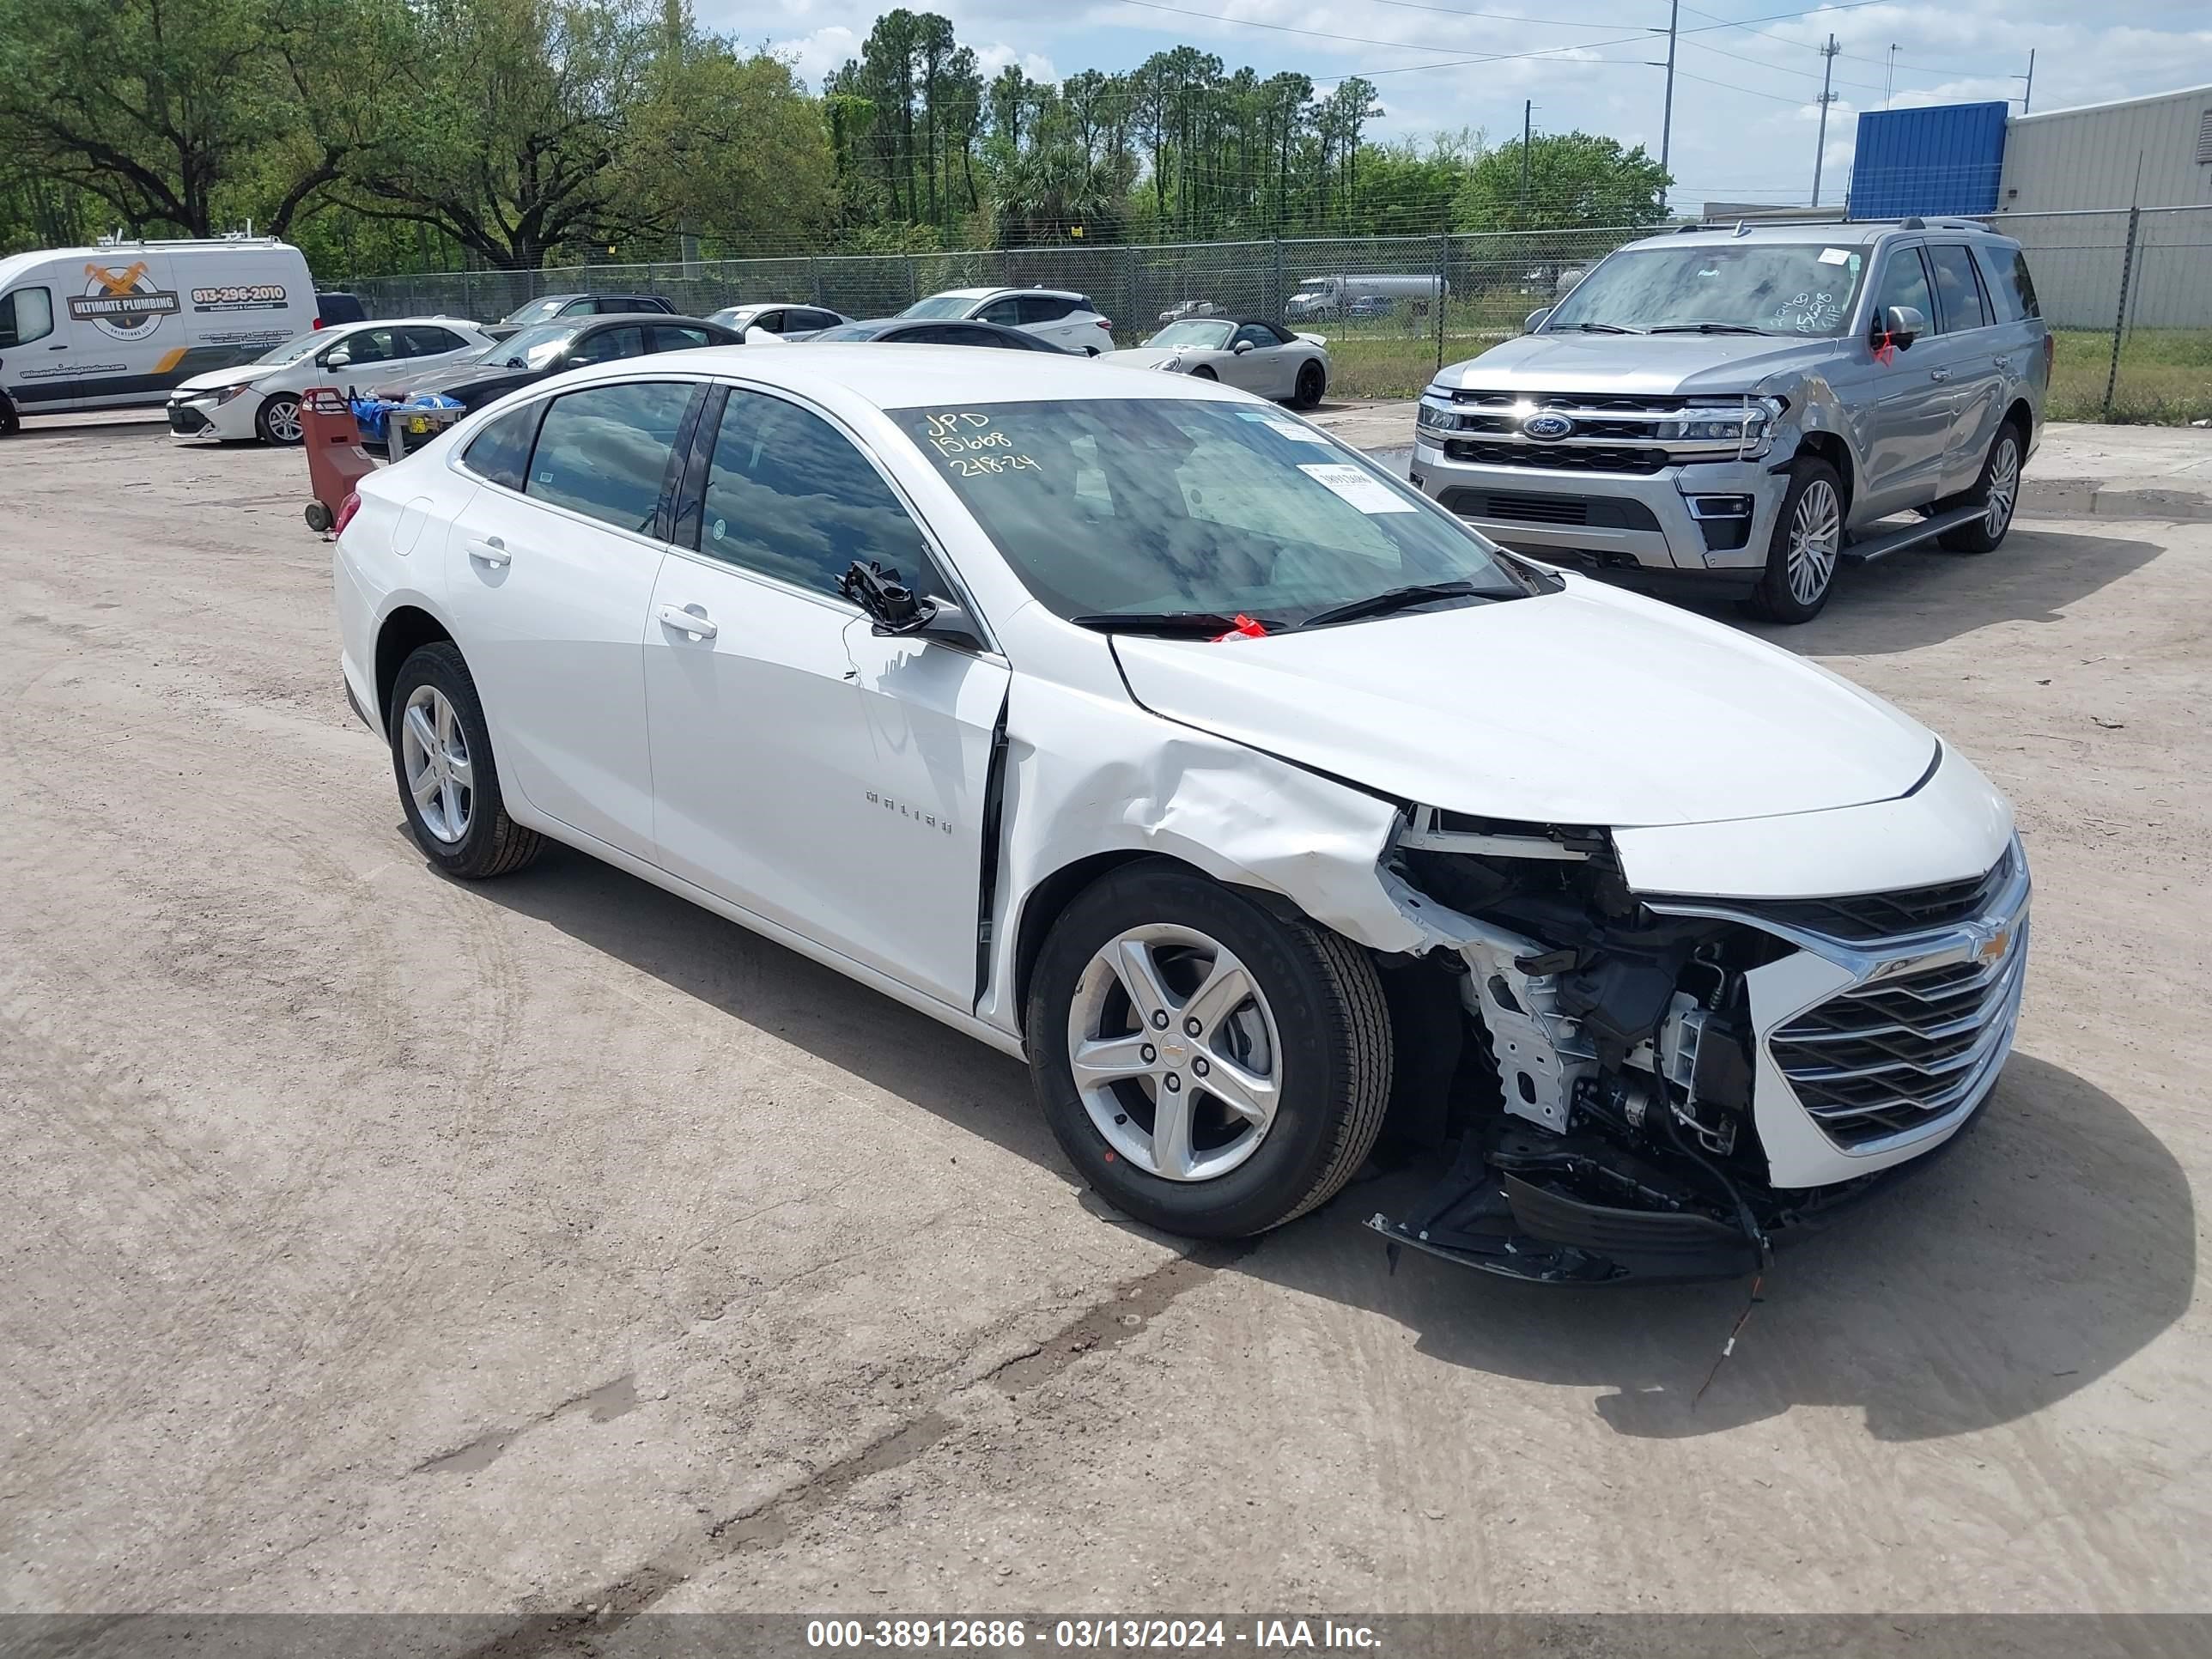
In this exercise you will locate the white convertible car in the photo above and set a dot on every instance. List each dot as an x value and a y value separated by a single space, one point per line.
1256 356
1136 727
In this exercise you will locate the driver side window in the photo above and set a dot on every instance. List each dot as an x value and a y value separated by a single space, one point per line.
1256 334
1005 313
26 315
1904 282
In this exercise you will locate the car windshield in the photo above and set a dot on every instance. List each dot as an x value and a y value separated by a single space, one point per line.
1746 287
1172 508
292 350
537 311
1204 336
533 348
940 305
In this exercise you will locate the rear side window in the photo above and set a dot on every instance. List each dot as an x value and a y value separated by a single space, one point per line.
26 315
667 337
604 451
1042 308
421 342
2011 290
1959 287
788 496
501 453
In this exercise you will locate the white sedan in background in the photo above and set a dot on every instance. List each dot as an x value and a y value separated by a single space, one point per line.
1133 727
260 399
1256 356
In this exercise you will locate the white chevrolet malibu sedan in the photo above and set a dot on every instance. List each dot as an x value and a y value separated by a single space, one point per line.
1140 729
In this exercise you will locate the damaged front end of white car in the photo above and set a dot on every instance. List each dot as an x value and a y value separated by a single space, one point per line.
1646 1084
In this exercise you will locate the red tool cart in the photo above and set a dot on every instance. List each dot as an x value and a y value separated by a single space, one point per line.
336 458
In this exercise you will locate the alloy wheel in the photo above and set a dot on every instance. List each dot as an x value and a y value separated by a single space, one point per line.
435 753
1174 1053
1816 530
282 415
2004 484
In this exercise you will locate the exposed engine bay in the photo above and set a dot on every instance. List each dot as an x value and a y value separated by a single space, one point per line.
1602 1103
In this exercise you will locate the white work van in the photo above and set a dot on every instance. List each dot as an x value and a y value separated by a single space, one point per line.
124 323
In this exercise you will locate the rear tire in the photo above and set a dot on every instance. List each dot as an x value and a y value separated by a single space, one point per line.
1313 382
1996 492
1287 1020
448 780
277 419
1807 544
10 421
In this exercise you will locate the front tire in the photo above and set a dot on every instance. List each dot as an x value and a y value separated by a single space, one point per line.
1213 1069
277 419
1204 372
1996 492
448 780
1313 381
1807 544
10 421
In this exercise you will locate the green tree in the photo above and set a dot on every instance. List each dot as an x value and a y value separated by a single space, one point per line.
1574 178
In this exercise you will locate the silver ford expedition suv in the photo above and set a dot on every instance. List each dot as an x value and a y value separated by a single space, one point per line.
1746 408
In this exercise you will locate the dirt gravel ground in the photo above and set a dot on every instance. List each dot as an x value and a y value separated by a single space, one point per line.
371 1242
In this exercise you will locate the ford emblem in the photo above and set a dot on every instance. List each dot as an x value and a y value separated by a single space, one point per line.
1547 427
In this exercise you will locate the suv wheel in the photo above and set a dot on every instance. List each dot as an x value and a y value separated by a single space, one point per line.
1996 492
277 419
1213 1069
1808 540
448 783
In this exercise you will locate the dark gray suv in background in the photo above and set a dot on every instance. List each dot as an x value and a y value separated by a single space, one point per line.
1746 408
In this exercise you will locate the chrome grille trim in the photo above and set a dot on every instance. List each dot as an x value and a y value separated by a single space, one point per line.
1601 423
1931 1019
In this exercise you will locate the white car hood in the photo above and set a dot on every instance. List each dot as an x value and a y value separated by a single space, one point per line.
1583 706
215 379
1159 357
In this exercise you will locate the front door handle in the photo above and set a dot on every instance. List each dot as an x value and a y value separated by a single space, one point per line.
489 549
697 623
1939 373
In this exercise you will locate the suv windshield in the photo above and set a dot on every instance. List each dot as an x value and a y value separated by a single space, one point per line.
940 305
537 311
1169 510
1758 287
534 347
1206 336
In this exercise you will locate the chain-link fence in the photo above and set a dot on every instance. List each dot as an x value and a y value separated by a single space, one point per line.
2128 294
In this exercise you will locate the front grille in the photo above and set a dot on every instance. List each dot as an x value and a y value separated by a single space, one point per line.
1885 1058
1887 915
1500 412
1565 458
1519 507
186 420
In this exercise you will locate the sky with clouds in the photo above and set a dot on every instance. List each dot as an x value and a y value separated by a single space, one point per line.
1745 115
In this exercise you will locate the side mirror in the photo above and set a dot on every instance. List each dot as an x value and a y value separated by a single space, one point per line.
1535 319
1904 325
1242 347
336 358
895 610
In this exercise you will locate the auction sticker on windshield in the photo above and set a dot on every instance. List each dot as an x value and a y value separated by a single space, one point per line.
1342 479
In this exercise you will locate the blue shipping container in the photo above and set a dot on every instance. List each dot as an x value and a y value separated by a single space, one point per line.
1945 160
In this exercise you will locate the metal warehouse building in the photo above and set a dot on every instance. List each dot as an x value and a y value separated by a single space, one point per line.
2064 183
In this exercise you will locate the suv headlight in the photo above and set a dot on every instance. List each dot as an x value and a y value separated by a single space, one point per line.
1747 422
1438 420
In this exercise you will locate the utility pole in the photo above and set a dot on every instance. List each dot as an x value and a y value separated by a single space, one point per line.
2027 94
1667 124
1528 129
1827 75
1889 76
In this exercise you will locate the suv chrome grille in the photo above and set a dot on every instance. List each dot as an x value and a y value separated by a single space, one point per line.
1884 1058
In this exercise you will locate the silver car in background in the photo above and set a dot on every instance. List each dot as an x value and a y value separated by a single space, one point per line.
1746 408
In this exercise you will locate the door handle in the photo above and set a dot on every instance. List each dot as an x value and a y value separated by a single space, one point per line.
489 549
696 623
63 346
1939 373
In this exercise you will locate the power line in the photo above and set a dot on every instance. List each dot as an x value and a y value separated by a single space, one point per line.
1748 25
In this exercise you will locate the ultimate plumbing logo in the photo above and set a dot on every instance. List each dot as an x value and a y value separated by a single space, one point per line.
121 303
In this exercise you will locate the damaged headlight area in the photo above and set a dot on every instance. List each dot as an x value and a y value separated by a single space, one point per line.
1602 1103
